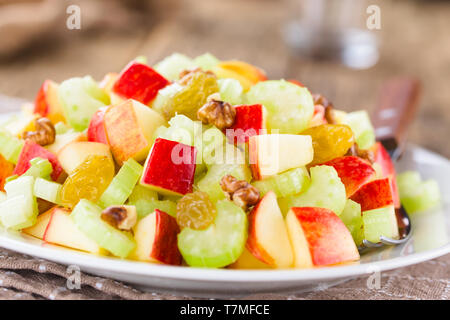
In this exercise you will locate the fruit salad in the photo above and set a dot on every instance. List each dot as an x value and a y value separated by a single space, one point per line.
202 163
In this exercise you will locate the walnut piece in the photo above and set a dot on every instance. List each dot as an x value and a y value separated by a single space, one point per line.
45 132
216 112
363 154
240 192
120 217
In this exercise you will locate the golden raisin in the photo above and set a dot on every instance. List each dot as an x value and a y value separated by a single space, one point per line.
88 181
330 141
196 211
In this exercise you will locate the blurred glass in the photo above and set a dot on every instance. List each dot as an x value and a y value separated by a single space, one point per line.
333 30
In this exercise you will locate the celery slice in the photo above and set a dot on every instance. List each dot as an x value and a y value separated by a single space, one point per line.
285 184
10 147
206 61
380 222
172 65
87 217
40 168
122 185
20 209
351 216
417 195
145 207
47 190
231 91
361 126
61 128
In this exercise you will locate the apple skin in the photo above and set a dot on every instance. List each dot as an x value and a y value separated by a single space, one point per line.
294 81
47 104
245 73
318 116
6 170
96 131
38 229
32 150
383 158
156 238
250 119
354 172
129 128
374 194
268 239
326 236
163 175
139 82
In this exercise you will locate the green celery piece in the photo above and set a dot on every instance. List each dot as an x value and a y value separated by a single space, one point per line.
221 243
289 106
231 91
290 182
80 98
20 209
10 147
87 218
325 191
206 61
171 67
380 222
61 128
40 168
210 183
47 190
11 178
146 201
417 195
122 185
145 207
352 218
359 122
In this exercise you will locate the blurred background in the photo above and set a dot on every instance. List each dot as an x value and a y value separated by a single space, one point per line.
326 45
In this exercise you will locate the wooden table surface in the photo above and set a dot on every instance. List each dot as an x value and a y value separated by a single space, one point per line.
414 34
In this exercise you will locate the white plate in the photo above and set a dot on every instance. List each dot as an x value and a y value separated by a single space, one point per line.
430 240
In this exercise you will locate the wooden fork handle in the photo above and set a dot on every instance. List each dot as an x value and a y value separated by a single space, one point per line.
397 106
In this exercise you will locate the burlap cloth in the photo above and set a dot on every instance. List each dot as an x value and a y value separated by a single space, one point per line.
25 277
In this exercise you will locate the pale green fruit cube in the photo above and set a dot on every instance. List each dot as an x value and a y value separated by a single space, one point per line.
380 222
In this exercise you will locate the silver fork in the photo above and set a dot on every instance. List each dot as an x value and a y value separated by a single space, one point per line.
398 103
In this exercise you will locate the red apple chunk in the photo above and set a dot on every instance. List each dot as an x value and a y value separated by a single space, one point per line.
374 195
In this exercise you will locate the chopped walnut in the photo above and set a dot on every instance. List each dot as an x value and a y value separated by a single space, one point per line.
329 113
120 217
363 154
45 132
216 112
240 192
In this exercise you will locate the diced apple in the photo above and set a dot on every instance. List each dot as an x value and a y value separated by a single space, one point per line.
353 171
61 140
38 229
47 102
374 195
170 167
383 159
75 153
96 130
156 239
380 222
20 123
108 81
245 73
61 230
250 121
267 236
274 153
139 82
32 150
130 127
6 170
319 238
